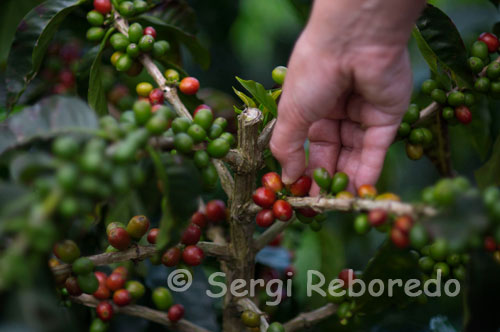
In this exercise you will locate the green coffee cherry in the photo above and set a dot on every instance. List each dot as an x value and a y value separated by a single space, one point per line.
135 33
418 236
404 129
82 265
218 148
183 142
482 84
180 125
142 111
160 48
197 133
95 18
443 267
361 224
279 74
140 6
91 162
428 86
172 75
215 131
67 177
222 122
204 118
126 8
322 178
68 208
412 115
157 124
414 151
456 98
426 263
479 49
495 89
88 283
201 159
448 113
133 50
469 100
340 181
416 136
438 96
65 147
95 34
427 136
146 43
209 176
475 64
493 70
119 42
439 250
229 138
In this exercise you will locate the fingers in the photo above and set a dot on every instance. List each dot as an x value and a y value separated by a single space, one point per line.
324 148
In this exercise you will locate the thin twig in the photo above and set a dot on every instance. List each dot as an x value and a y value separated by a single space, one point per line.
427 112
265 135
307 319
270 234
157 316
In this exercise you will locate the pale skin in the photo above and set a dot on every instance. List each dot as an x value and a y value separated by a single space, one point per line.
347 88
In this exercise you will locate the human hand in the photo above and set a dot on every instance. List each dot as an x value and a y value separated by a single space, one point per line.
346 90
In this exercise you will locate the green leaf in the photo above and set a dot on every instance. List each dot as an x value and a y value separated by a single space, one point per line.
246 100
487 175
31 42
97 96
308 258
258 91
49 117
442 47
200 54
479 130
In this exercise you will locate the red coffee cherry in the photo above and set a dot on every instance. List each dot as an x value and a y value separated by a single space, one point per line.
282 210
265 218
119 238
121 270
264 197
102 293
202 107
72 287
175 313
104 311
404 224
115 281
400 239
347 275
215 210
463 114
490 40
377 217
101 277
307 212
367 191
192 255
102 6
276 242
150 31
489 244
199 219
171 257
272 181
153 233
156 97
189 85
122 297
301 187
191 235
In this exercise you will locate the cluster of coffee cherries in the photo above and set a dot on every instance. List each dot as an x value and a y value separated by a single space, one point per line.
251 319
345 309
187 251
491 200
120 237
484 66
61 64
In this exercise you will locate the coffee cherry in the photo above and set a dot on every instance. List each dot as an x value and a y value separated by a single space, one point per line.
276 327
199 219
175 313
119 42
102 6
197 133
71 285
180 125
361 224
344 195
192 255
119 238
282 210
322 178
122 297
191 235
67 177
102 292
367 191
215 211
160 48
493 70
204 117
138 226
347 276
209 177
156 97
115 281
438 96
144 89
301 187
377 217
189 86
278 74
339 182
463 114
104 311
65 147
443 267
439 250
459 272
95 34
201 159
218 148
426 136
412 114
482 84
88 283
428 86
416 136
133 50
490 244
456 98
152 235
495 89
265 218
215 131
250 318
490 40
476 64
404 129
264 197
220 121
135 33
146 43
121 270
114 57
272 181
98 325
202 107
150 31
404 223
171 257
183 142
229 138
399 239
126 8
426 263
414 151
172 75
480 50
82 265
157 125
135 289
67 251
113 225
162 298
95 18
448 113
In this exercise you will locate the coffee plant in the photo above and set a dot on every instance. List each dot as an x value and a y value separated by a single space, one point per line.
96 196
